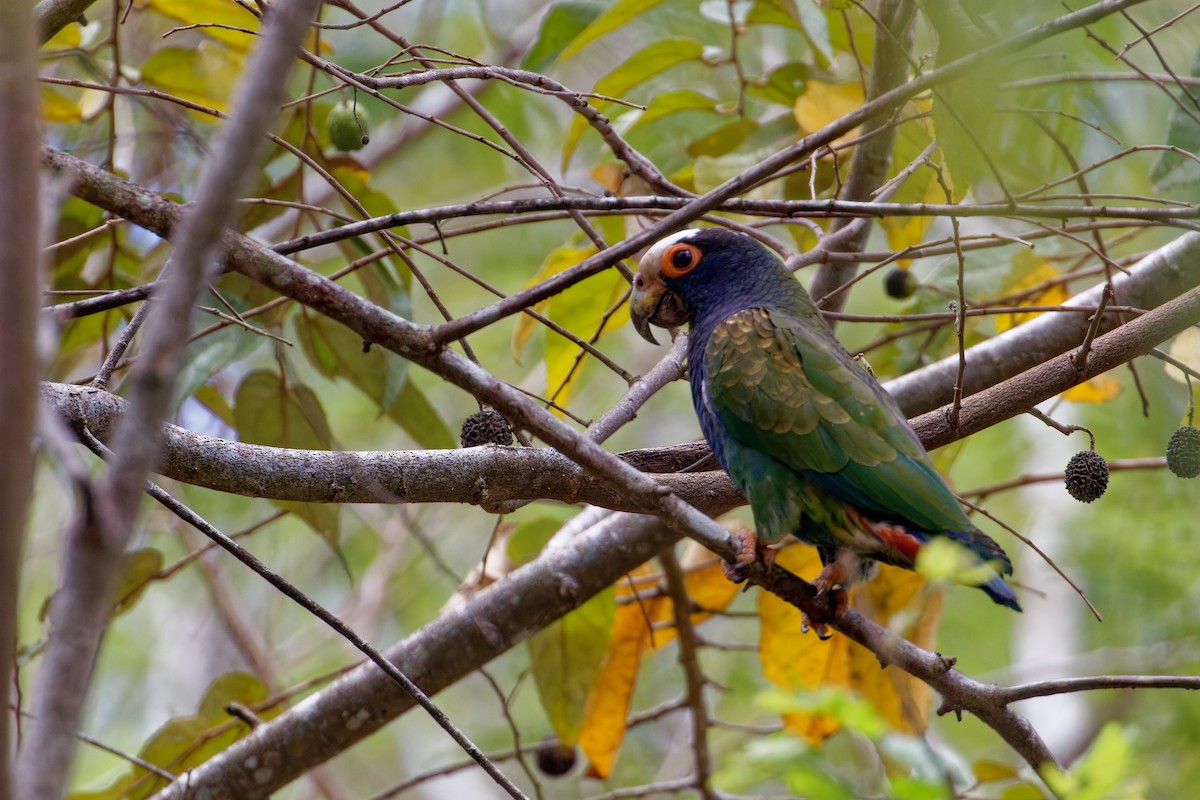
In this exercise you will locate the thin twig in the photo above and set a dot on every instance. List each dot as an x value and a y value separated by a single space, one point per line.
693 676
320 612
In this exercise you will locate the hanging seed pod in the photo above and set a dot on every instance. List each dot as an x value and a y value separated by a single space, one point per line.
1087 476
485 427
1183 452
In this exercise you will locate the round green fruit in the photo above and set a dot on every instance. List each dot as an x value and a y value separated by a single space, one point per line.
348 125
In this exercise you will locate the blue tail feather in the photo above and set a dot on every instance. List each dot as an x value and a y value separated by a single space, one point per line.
1001 593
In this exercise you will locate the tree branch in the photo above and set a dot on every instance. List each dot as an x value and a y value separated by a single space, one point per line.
51 16
19 263
1162 275
98 536
488 476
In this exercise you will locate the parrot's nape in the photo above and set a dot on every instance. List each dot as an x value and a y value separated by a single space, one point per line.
817 446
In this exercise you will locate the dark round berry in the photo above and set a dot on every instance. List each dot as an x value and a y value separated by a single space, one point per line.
1183 452
485 427
1087 476
900 283
554 759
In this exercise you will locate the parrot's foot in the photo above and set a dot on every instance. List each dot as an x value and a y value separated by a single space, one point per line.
833 580
738 570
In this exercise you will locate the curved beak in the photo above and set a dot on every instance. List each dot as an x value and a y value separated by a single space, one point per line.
642 307
651 302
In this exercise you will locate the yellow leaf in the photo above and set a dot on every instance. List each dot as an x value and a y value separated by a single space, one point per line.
214 13
905 232
1186 349
822 103
708 588
1053 295
1099 389
986 770
68 38
609 176
558 260
608 702
603 727
205 76
57 107
792 660
565 659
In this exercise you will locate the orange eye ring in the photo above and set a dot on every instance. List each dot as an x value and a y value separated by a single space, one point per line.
680 259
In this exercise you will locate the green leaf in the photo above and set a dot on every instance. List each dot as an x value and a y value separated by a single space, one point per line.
530 537
1023 791
560 26
668 103
648 62
637 69
565 658
204 75
617 15
418 417
815 26
1175 169
905 787
783 85
1102 774
185 742
268 410
238 687
775 12
208 356
140 567
849 708
724 139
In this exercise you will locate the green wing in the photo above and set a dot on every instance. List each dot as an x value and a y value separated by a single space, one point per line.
787 388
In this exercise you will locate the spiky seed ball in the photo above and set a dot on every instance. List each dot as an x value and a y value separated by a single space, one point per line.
1087 476
484 427
1183 452
555 759
348 125
900 283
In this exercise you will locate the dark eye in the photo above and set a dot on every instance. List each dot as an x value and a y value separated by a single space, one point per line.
679 259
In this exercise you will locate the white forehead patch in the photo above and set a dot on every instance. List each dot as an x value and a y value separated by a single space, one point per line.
654 254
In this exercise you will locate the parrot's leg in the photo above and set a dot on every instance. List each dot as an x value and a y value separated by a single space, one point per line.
834 578
738 570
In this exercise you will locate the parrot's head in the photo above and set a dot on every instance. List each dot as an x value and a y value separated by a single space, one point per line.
699 269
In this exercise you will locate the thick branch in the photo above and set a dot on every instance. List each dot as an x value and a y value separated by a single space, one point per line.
487 476
98 536
18 331
52 16
869 163
457 643
1023 392
1162 275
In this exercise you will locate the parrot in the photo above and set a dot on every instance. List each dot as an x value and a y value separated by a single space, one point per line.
816 445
